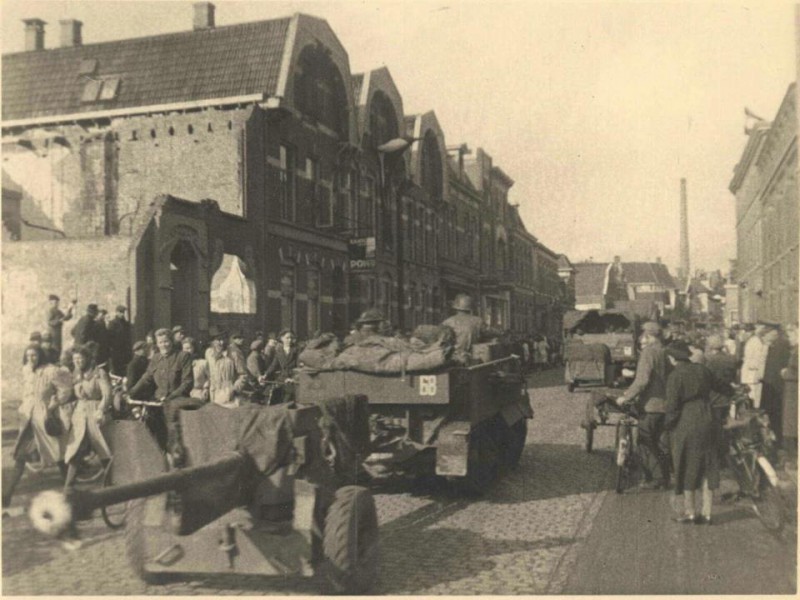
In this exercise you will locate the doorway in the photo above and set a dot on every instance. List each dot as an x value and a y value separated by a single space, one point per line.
183 271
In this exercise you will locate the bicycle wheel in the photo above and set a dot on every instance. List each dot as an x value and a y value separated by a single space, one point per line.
621 451
767 504
34 463
90 469
115 515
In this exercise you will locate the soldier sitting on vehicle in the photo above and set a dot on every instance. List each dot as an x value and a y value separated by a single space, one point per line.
368 324
469 328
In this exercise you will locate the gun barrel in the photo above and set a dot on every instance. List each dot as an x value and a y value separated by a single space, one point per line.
173 480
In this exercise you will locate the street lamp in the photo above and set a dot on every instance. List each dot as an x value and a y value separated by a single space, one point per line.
395 148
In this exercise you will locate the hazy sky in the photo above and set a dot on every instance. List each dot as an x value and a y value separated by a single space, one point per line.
596 110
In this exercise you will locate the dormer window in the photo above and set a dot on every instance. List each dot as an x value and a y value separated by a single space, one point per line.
100 89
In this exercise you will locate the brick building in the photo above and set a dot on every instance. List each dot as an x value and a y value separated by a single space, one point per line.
765 187
250 180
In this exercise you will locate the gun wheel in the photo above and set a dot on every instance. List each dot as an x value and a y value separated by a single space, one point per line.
350 543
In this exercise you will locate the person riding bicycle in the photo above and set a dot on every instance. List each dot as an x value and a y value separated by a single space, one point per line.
93 392
649 391
169 380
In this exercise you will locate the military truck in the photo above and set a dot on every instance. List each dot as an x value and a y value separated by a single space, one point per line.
460 422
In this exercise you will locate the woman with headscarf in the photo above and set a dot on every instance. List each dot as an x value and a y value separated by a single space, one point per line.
693 432
93 393
45 389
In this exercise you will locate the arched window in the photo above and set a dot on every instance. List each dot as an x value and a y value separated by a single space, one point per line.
318 89
431 166
382 119
232 288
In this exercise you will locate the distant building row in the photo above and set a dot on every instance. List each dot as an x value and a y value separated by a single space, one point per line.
242 176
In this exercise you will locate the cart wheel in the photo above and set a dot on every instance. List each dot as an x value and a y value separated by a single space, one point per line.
350 543
116 514
589 437
512 442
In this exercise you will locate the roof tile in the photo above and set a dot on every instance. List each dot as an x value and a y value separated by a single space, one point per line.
229 61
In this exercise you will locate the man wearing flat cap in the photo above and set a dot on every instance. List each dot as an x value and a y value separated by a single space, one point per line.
87 329
649 391
469 328
55 319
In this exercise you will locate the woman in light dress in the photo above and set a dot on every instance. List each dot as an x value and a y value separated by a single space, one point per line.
46 389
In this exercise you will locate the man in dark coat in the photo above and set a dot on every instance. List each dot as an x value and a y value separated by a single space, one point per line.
168 379
469 328
778 352
56 318
51 354
649 391
256 364
87 329
119 342
236 352
789 409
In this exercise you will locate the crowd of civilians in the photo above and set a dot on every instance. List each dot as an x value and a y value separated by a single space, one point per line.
682 377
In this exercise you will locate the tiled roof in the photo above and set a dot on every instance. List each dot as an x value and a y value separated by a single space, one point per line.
590 278
643 272
663 276
221 62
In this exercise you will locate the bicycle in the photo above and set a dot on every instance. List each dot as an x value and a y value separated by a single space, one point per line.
625 439
750 442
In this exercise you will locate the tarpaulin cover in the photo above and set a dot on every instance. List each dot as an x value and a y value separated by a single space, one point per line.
383 354
264 433
320 351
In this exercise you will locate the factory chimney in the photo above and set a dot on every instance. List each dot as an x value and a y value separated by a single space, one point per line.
683 270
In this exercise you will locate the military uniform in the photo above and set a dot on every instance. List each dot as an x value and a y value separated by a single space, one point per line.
469 330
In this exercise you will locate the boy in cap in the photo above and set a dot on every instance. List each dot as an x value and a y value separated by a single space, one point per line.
137 365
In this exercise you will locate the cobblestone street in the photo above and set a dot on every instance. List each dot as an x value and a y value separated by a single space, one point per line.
523 537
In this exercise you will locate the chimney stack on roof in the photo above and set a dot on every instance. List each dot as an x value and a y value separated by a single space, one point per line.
71 33
203 15
34 34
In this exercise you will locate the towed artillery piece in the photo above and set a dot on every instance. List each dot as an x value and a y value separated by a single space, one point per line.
460 422
262 494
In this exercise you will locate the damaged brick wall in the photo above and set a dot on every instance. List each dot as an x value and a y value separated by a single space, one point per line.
89 270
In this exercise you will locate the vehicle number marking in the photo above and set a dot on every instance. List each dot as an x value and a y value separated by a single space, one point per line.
427 385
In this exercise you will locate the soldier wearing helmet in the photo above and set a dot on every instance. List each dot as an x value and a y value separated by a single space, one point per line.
368 324
469 328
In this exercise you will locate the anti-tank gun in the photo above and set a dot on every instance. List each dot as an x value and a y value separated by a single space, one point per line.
262 493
